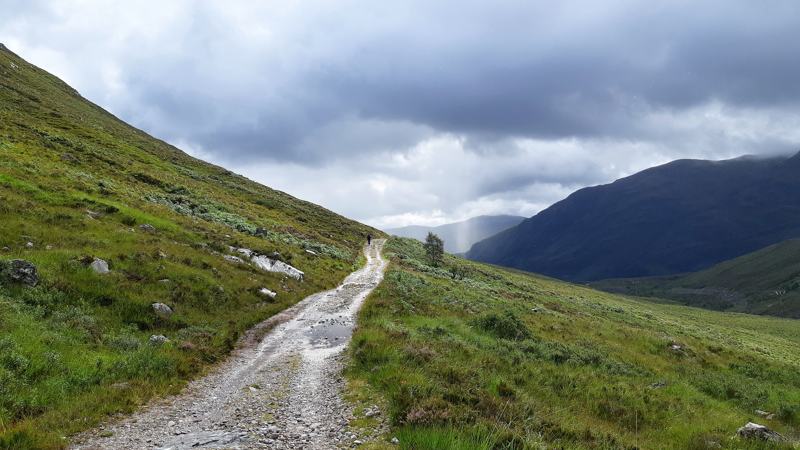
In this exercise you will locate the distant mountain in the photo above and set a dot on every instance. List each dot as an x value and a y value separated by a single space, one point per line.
680 217
763 282
459 236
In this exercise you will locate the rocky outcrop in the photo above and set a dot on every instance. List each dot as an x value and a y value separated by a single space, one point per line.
19 271
273 265
266 263
754 431
147 228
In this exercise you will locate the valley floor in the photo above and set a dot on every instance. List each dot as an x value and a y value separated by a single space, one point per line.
280 391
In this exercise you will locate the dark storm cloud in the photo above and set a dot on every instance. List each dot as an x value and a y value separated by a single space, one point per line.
444 104
487 71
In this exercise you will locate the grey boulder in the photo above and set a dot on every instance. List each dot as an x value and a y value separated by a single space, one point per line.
162 311
758 432
20 271
100 266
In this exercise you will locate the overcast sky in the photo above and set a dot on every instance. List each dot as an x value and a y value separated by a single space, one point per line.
426 112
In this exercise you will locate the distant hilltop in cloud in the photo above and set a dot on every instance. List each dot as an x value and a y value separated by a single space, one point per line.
459 236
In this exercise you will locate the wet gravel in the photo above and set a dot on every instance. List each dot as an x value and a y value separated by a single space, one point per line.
282 391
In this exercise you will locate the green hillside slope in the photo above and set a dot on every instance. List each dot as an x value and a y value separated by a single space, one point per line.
78 184
470 356
763 282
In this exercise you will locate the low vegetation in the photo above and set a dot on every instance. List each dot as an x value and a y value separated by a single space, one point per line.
470 356
766 281
77 184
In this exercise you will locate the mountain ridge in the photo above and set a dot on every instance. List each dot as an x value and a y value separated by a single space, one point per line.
678 217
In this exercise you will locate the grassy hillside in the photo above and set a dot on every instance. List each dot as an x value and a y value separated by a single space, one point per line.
763 282
78 184
470 356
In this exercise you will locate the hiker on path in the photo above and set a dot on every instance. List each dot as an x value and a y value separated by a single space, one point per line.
369 239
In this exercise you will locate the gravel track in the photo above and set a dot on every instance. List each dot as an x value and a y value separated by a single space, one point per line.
281 389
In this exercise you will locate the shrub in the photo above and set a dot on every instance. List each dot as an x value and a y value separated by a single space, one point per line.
503 326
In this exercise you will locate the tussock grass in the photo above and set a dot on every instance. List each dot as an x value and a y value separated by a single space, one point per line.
473 356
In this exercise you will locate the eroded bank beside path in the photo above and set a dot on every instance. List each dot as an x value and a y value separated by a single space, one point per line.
281 391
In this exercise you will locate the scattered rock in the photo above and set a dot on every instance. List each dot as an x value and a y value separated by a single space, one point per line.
162 311
93 214
20 271
147 228
164 281
158 340
395 441
311 252
6 249
187 346
675 347
69 157
758 432
48 247
765 414
245 251
234 259
29 245
267 293
372 411
658 385
100 266
162 255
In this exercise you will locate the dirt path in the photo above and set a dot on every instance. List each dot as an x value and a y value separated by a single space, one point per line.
282 391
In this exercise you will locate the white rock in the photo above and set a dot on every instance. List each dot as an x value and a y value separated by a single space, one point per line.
158 339
162 311
100 266
311 252
267 293
245 251
234 259
29 245
273 265
395 441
